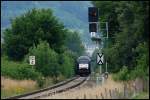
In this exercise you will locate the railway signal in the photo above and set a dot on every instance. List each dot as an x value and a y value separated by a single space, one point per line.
93 21
92 27
93 14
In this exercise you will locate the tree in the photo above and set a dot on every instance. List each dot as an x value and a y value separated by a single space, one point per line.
46 59
2 49
107 12
29 28
74 43
67 64
142 60
132 21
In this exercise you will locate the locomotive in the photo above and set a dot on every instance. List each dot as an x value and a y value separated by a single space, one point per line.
83 66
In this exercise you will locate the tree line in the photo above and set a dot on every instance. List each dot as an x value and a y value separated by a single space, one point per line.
38 32
127 49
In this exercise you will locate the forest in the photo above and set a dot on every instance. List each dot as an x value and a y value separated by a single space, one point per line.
127 48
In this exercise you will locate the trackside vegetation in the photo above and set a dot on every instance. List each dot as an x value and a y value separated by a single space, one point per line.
127 48
39 33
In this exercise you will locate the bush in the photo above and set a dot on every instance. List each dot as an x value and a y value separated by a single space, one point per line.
46 59
18 70
94 64
40 82
73 42
122 75
67 64
142 62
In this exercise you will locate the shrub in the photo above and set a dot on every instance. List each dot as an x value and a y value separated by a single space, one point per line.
122 75
46 59
40 82
18 70
67 65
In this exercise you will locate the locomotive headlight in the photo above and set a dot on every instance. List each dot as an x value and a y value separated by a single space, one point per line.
83 66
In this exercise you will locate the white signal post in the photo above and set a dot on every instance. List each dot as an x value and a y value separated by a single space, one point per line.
106 25
98 41
102 58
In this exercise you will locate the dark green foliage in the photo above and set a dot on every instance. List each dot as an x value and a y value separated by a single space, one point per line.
67 64
141 70
46 59
2 49
74 43
94 60
142 60
29 28
49 63
129 46
123 74
38 33
108 13
18 70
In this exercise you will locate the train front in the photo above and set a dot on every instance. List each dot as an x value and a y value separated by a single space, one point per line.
83 65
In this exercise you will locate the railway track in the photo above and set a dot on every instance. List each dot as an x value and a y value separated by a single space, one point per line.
58 88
